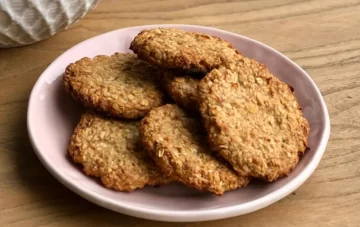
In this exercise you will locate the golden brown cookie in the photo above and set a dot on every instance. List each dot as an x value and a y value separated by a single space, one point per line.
182 89
177 143
253 119
111 149
120 85
177 49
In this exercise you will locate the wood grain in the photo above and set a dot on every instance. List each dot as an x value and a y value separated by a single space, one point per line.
322 36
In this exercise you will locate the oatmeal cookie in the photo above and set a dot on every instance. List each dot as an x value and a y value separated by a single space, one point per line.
120 85
177 143
182 89
177 49
253 119
111 149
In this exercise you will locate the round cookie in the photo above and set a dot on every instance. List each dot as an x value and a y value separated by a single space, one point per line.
120 85
182 89
177 143
253 119
111 149
177 49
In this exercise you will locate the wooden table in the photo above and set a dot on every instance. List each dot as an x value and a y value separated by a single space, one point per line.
322 36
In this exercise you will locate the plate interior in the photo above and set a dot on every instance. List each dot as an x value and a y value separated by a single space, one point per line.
53 115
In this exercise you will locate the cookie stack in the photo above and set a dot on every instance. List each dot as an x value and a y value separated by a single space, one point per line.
186 107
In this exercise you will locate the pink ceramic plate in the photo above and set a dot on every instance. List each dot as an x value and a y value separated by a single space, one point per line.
52 116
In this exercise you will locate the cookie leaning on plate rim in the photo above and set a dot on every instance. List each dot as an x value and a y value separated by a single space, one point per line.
253 119
50 129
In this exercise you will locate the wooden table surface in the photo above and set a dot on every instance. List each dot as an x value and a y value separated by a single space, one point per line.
322 36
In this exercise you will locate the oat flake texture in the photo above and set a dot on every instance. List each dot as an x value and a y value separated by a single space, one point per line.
120 85
177 143
111 149
182 89
253 119
177 49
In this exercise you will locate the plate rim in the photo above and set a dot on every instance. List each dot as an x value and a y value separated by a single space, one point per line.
185 216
